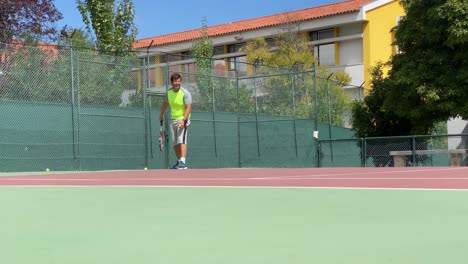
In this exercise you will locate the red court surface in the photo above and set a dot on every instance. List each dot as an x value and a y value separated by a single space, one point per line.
406 178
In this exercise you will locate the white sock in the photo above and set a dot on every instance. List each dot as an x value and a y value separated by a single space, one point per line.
182 159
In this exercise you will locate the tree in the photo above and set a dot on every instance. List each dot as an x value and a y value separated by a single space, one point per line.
291 92
78 39
430 75
203 52
217 93
371 119
33 16
113 26
40 74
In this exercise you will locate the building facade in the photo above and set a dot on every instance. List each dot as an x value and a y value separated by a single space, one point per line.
350 35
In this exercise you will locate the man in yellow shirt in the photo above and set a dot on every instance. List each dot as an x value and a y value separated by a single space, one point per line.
180 102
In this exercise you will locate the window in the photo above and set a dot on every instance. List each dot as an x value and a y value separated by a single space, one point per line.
271 42
219 67
324 52
186 55
395 48
238 64
164 58
218 50
189 70
322 34
233 48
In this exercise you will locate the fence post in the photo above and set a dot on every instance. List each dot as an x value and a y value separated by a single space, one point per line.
329 115
256 109
364 150
213 101
78 105
147 121
293 82
73 105
316 115
319 147
239 162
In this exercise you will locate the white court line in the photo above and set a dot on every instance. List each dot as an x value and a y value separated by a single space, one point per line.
234 187
229 179
373 172
367 173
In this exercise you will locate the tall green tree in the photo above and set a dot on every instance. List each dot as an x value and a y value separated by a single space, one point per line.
371 119
430 73
32 16
112 24
78 39
217 93
291 92
203 52
45 74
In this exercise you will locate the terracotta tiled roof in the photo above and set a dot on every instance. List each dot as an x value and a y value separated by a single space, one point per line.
256 23
51 50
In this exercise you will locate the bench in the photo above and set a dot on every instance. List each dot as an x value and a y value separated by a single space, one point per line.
456 157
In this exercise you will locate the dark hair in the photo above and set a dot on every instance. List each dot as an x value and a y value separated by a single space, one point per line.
175 76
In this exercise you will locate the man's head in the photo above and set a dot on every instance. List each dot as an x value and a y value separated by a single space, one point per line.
176 80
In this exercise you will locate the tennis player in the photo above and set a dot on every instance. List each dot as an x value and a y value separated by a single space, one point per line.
180 102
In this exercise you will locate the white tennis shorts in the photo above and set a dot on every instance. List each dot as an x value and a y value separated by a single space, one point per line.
179 134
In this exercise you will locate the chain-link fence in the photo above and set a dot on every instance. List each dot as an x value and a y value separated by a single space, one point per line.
65 109
247 115
431 150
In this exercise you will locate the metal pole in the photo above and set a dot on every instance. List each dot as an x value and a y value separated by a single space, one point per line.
293 82
256 110
364 150
361 88
73 105
214 117
329 116
238 122
78 101
317 153
166 123
145 106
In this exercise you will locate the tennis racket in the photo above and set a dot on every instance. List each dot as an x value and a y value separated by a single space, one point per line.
161 137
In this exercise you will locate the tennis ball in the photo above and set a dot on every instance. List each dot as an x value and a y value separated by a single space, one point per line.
47 169
146 168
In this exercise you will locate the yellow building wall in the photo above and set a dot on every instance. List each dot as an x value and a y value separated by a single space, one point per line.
377 36
159 72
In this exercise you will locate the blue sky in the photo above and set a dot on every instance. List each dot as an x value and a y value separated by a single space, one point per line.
163 17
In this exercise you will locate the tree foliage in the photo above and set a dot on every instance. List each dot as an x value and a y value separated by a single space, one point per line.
78 39
203 52
430 75
112 24
428 79
33 16
293 86
217 93
43 73
371 119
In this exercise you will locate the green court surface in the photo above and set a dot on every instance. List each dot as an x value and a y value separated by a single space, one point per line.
142 225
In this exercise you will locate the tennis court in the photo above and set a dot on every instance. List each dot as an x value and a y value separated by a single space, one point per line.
317 215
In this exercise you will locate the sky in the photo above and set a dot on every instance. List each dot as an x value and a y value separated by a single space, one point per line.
154 18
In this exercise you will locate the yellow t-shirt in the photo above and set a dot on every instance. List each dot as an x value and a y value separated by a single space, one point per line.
177 101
